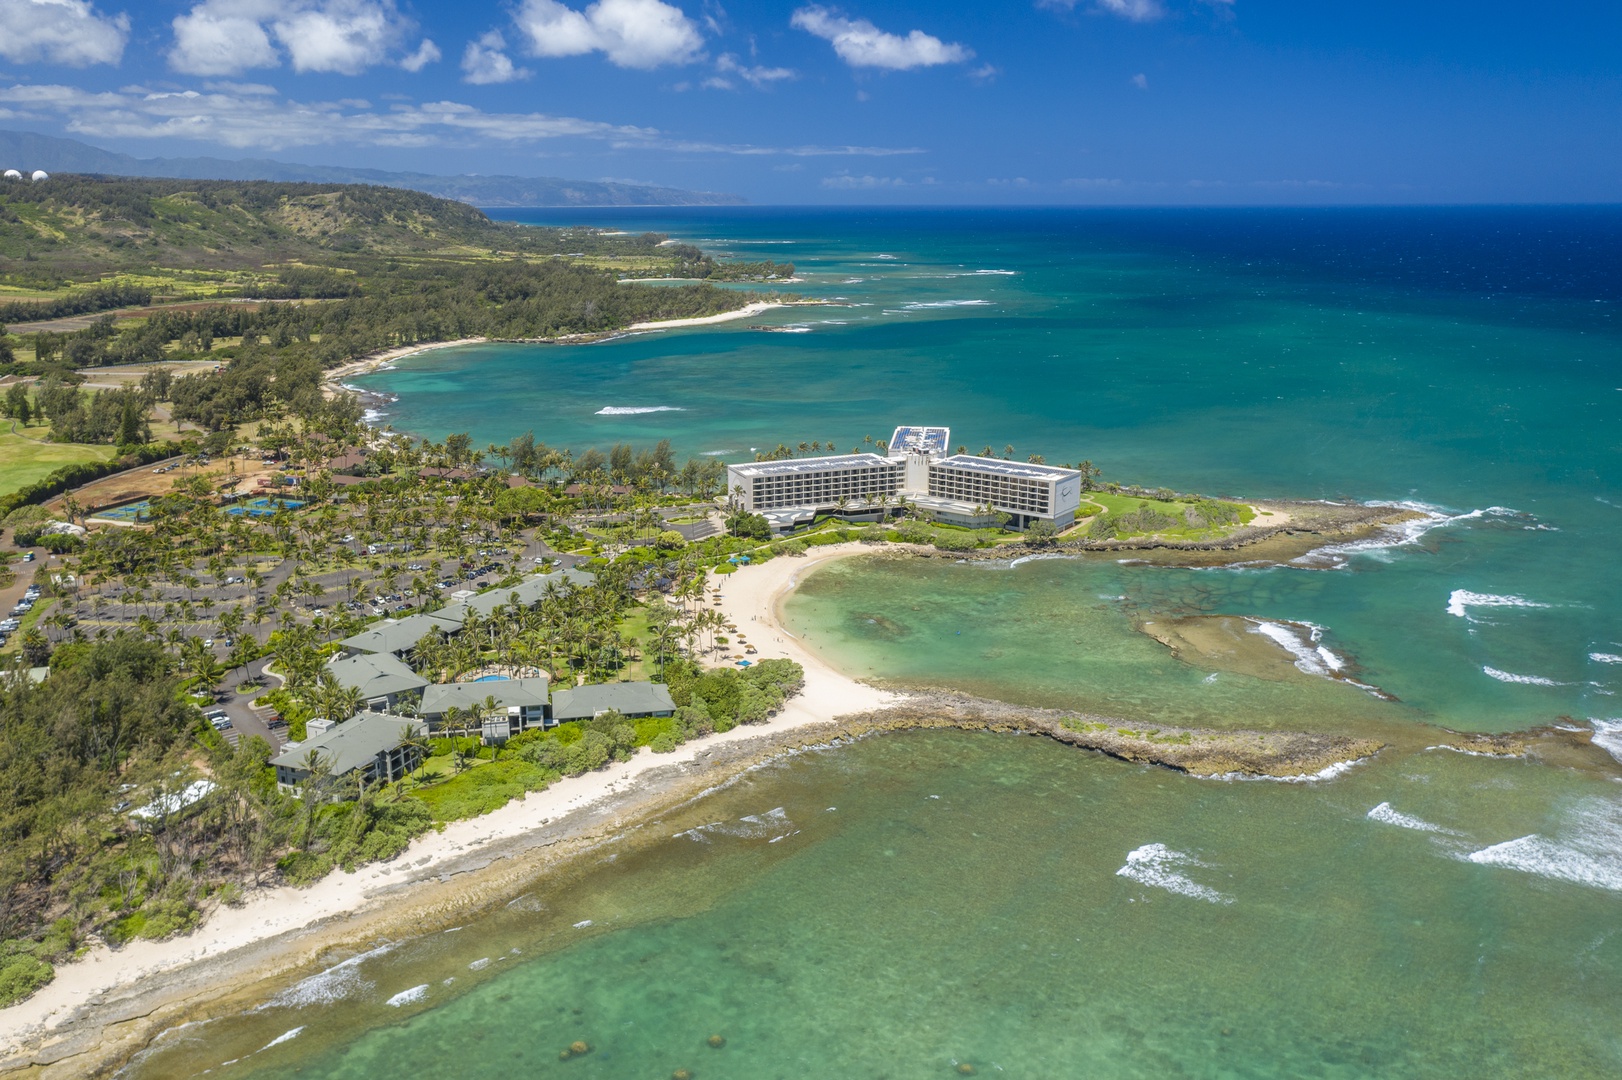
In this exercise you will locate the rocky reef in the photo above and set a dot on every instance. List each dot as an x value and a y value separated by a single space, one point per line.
1198 752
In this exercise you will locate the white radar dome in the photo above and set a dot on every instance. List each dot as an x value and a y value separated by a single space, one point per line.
41 174
13 174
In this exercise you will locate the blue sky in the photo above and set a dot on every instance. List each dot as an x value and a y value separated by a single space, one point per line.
1030 101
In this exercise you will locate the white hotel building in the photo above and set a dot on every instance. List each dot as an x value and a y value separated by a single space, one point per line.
956 489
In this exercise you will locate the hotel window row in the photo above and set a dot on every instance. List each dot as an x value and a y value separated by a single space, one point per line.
1002 492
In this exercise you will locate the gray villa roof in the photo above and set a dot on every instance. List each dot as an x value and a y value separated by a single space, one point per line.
397 636
375 675
530 591
630 698
353 744
466 695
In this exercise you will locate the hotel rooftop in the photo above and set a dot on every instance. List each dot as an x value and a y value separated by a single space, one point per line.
961 489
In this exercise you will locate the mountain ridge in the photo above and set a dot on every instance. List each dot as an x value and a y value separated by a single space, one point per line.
27 151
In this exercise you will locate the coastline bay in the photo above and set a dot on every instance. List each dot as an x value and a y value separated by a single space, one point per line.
1172 924
908 903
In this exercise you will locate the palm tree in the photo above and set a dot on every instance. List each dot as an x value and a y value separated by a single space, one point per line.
313 790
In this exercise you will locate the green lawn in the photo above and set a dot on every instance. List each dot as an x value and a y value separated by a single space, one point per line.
1133 512
22 460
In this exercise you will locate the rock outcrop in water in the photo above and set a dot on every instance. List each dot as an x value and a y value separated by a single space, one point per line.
1285 755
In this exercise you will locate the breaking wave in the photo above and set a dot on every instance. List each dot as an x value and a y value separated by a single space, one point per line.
1387 816
1402 534
1523 680
1460 601
286 1036
771 826
325 987
1590 852
406 997
636 410
920 305
1608 736
1302 641
1605 658
1157 865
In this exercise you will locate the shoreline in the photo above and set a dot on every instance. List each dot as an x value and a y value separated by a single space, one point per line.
105 989
107 1005
332 381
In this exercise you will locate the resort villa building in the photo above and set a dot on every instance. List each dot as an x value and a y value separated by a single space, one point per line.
961 489
633 700
375 744
519 704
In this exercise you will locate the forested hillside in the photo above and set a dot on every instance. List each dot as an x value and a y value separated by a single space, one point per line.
82 224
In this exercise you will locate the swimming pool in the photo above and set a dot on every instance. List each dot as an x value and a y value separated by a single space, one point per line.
493 678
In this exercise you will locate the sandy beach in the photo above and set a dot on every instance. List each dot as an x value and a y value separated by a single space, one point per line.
707 320
77 1012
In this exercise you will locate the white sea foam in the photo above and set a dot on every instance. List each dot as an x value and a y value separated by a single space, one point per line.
325 987
1004 273
1524 680
853 281
919 305
582 924
1402 534
480 964
636 410
407 997
1605 658
1588 850
1460 601
1388 816
1302 641
748 827
1328 772
1608 736
1157 865
286 1036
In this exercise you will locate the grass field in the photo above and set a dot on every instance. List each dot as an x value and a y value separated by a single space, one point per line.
1137 516
22 460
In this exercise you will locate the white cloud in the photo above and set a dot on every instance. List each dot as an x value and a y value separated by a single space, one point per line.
427 53
1135 10
846 182
758 75
1140 80
861 44
249 118
486 62
631 33
224 37
213 41
70 32
243 121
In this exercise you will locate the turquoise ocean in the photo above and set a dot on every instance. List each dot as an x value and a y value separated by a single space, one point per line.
906 905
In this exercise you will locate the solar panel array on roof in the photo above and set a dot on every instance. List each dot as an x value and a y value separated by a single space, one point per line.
930 441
